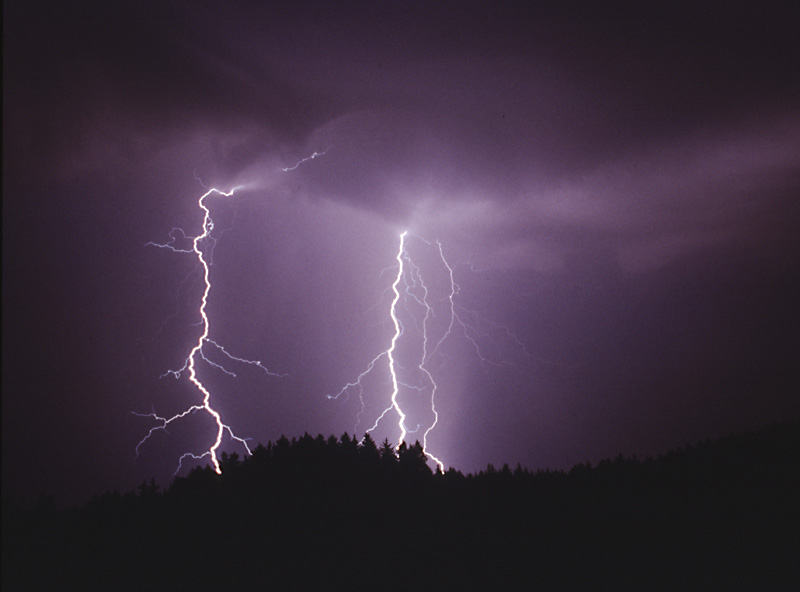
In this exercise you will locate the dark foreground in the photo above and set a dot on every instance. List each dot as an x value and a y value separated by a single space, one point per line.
330 514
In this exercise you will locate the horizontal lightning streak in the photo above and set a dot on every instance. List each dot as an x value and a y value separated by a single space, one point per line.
245 361
306 159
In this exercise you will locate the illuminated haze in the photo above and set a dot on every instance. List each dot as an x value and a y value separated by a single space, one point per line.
618 187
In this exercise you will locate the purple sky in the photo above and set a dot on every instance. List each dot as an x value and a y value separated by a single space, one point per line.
618 187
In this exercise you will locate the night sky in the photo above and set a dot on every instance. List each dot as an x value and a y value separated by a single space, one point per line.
616 189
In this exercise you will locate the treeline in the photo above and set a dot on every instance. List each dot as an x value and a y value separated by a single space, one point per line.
748 459
317 512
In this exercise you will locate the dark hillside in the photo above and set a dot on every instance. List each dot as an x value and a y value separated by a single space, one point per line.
315 513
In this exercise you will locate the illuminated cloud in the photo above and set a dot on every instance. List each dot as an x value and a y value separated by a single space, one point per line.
618 184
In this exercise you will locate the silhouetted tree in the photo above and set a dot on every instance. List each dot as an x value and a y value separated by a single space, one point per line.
368 451
735 496
412 460
388 454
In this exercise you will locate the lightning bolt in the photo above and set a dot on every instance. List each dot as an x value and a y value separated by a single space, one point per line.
197 353
410 290
424 360
306 159
398 330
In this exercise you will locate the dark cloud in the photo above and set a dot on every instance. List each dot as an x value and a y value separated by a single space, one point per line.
616 184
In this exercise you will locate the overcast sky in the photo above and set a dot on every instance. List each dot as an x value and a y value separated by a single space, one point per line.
616 190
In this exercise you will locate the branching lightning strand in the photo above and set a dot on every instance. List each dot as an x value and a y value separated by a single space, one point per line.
417 292
197 351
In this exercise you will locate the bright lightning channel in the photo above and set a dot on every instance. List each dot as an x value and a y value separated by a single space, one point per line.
416 291
398 330
197 352
415 278
401 258
422 365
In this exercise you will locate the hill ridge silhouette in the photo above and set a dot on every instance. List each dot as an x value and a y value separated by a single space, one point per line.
316 511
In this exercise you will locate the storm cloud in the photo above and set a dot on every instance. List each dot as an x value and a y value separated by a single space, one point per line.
617 186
